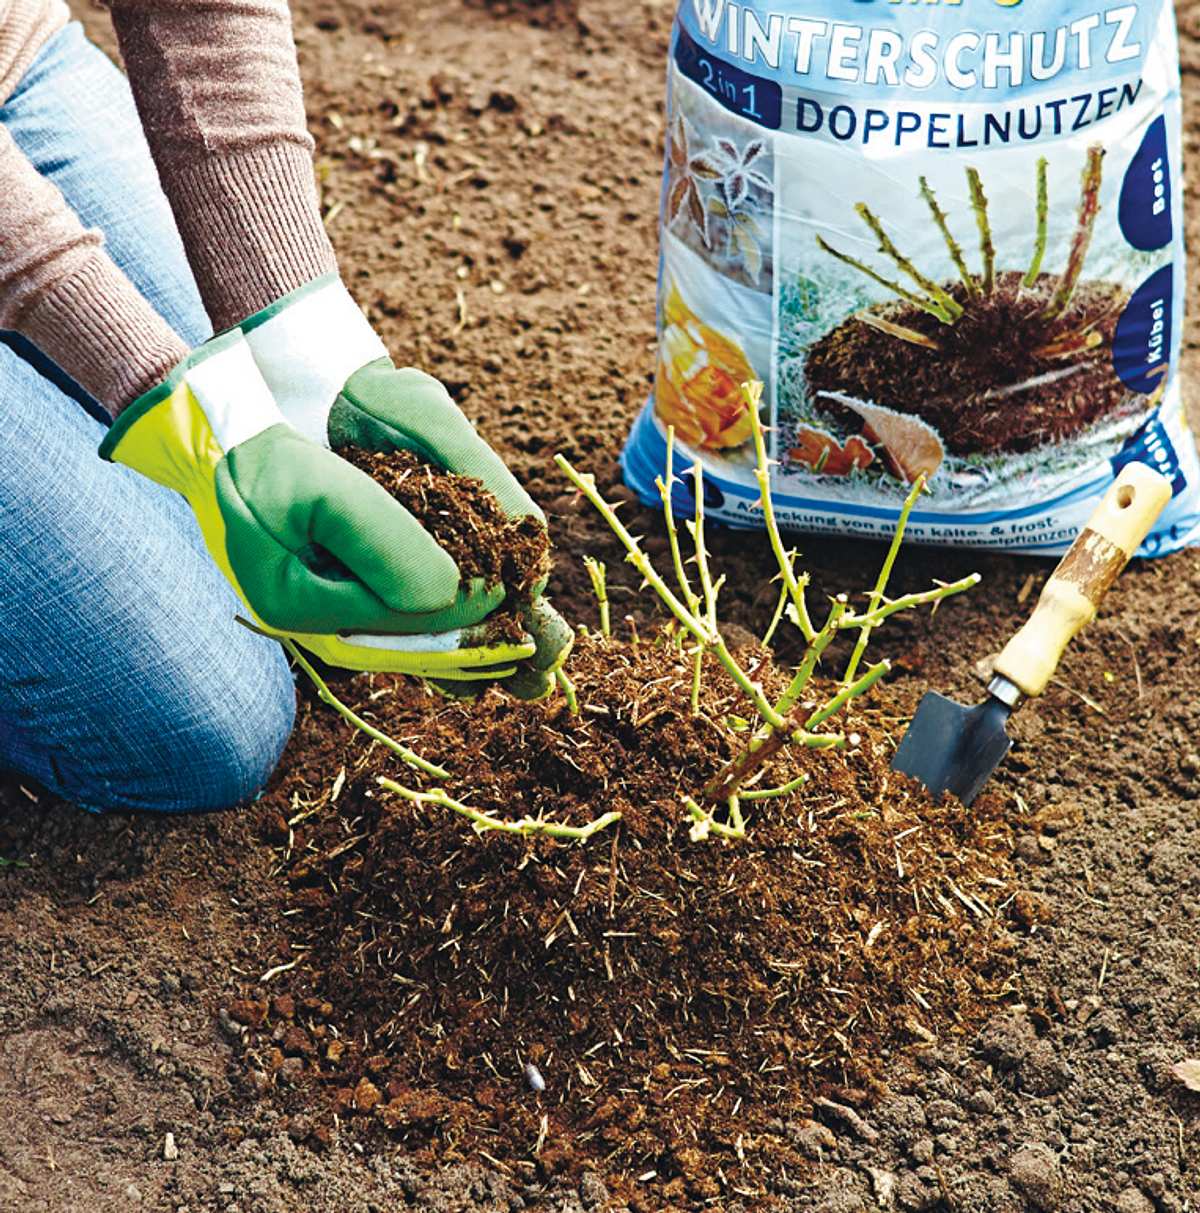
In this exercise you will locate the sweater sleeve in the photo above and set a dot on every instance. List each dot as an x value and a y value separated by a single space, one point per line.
61 290
218 89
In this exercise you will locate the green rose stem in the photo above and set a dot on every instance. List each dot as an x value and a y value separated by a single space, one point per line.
665 484
777 618
943 225
885 575
796 587
568 689
705 824
1043 224
1089 209
941 297
987 247
599 577
484 823
327 696
778 793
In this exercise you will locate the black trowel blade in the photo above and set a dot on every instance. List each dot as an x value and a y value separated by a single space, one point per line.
954 749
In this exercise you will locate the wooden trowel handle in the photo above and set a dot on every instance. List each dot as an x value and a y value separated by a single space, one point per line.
1076 588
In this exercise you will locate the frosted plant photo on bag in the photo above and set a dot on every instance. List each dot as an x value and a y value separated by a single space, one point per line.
719 190
959 325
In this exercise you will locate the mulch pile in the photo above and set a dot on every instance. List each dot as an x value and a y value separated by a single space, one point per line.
986 390
674 996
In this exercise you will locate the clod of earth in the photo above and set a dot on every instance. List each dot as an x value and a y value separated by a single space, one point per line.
470 524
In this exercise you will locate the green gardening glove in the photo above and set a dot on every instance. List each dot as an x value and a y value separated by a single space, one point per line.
336 384
316 550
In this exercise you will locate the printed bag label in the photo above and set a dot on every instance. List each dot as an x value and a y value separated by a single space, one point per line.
948 238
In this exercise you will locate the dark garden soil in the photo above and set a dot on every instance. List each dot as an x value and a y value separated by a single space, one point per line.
490 174
465 518
1001 379
674 995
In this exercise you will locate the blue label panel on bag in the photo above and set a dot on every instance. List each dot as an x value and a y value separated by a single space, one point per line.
749 96
1145 207
1142 345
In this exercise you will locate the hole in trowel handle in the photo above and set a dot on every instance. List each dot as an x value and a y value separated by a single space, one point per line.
1125 498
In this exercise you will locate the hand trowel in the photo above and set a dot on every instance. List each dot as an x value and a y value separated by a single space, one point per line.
951 748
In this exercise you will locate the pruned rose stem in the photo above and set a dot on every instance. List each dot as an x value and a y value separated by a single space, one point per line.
786 789
847 694
796 587
909 601
1089 209
885 575
484 823
1043 222
777 618
987 249
696 612
327 696
704 823
598 574
665 484
812 655
926 305
708 588
568 689
943 225
941 297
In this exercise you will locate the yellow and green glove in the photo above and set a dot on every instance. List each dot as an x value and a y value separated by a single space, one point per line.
315 548
334 383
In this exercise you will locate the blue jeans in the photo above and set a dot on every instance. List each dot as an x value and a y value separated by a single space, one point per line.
125 682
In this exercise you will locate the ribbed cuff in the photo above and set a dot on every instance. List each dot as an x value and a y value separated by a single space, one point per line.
97 327
251 223
27 26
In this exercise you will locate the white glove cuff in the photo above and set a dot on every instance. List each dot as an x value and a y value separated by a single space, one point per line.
307 346
231 391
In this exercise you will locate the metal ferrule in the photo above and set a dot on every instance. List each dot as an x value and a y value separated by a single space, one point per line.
1007 692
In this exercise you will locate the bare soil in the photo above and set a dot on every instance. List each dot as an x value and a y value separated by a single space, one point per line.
491 176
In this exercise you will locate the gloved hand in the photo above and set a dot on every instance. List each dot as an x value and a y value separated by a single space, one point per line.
315 548
335 383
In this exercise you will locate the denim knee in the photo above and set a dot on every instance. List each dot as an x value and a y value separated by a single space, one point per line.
232 743
210 743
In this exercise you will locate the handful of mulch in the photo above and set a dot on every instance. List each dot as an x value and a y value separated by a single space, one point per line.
469 523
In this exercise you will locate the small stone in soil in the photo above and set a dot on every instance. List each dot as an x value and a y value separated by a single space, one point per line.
1029 850
1133 1200
1034 1172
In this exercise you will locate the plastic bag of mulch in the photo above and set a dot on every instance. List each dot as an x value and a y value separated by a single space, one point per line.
949 241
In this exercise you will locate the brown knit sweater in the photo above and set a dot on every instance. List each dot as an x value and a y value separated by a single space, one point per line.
218 90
